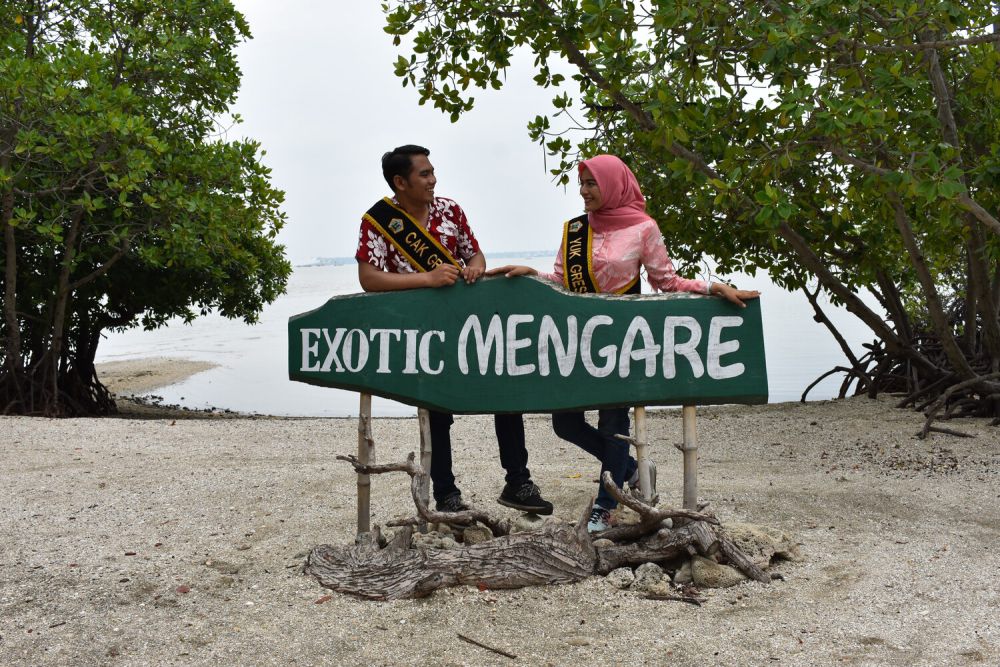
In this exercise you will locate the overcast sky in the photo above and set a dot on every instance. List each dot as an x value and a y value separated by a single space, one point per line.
319 93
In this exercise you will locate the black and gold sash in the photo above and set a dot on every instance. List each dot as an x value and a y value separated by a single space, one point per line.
578 268
412 241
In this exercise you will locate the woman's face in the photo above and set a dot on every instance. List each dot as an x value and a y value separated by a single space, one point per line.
592 200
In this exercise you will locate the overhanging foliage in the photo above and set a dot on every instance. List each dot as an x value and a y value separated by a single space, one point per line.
119 201
839 146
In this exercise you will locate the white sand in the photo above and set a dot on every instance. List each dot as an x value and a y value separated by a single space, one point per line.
153 541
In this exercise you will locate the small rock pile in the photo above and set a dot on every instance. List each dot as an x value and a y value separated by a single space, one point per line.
762 544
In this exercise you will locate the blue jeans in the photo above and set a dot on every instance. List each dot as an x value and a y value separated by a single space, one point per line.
601 443
510 438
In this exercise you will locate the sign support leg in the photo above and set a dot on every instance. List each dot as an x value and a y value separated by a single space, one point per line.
366 455
424 419
642 453
690 450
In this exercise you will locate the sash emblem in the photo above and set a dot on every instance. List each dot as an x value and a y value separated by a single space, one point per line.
578 269
420 248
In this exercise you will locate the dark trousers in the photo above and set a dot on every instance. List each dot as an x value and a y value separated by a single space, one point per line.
600 443
510 438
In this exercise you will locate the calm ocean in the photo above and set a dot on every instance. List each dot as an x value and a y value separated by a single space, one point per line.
252 372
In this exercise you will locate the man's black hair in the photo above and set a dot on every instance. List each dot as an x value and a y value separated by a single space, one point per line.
399 162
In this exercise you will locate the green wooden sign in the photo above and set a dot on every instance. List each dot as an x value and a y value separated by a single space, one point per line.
526 345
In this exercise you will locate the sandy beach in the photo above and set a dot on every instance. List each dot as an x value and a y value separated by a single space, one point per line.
156 538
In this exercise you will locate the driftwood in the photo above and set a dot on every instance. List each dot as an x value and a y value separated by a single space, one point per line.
498 651
418 481
556 554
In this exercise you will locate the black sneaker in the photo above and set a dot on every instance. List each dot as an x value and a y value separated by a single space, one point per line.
525 497
451 503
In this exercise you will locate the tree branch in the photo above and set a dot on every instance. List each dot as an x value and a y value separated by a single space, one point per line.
417 479
922 46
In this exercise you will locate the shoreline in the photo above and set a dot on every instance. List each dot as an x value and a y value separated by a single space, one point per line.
128 377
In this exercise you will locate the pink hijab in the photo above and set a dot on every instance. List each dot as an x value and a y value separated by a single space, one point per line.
623 204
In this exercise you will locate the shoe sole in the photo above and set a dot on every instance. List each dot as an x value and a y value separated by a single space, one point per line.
531 509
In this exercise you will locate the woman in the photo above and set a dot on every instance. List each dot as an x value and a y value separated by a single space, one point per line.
602 251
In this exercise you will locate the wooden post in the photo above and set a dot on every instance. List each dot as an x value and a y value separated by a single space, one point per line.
424 419
366 455
642 453
690 450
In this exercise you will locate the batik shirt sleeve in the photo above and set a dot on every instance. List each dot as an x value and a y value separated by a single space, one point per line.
451 227
374 248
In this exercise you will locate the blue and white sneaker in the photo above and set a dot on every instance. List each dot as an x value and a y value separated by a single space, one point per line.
600 519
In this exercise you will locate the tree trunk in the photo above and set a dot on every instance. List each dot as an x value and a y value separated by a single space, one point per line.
558 556
13 343
58 322
980 287
935 311
894 307
971 310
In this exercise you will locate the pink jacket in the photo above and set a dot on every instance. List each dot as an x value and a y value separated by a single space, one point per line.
618 253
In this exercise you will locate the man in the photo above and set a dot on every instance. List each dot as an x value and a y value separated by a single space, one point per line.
416 240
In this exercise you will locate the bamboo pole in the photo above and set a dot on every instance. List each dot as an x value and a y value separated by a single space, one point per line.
424 419
366 456
690 450
642 453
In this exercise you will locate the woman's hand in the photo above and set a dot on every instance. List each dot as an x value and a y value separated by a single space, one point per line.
733 295
512 270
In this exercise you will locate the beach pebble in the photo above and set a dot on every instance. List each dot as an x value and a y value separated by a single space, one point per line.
762 543
476 535
578 640
527 522
621 578
683 574
646 576
625 516
430 540
663 587
707 573
442 529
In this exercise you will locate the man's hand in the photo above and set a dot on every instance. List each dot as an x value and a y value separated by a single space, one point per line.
472 273
443 275
733 295
512 270
474 268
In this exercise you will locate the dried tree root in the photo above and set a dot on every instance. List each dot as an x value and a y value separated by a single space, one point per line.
418 478
553 555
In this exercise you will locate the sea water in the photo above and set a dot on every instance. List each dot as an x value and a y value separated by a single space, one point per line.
251 375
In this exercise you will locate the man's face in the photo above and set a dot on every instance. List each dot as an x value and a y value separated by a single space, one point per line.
419 185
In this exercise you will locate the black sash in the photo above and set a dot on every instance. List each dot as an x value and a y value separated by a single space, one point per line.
416 244
578 269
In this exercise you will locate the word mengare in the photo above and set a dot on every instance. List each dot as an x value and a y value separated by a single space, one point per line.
522 345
